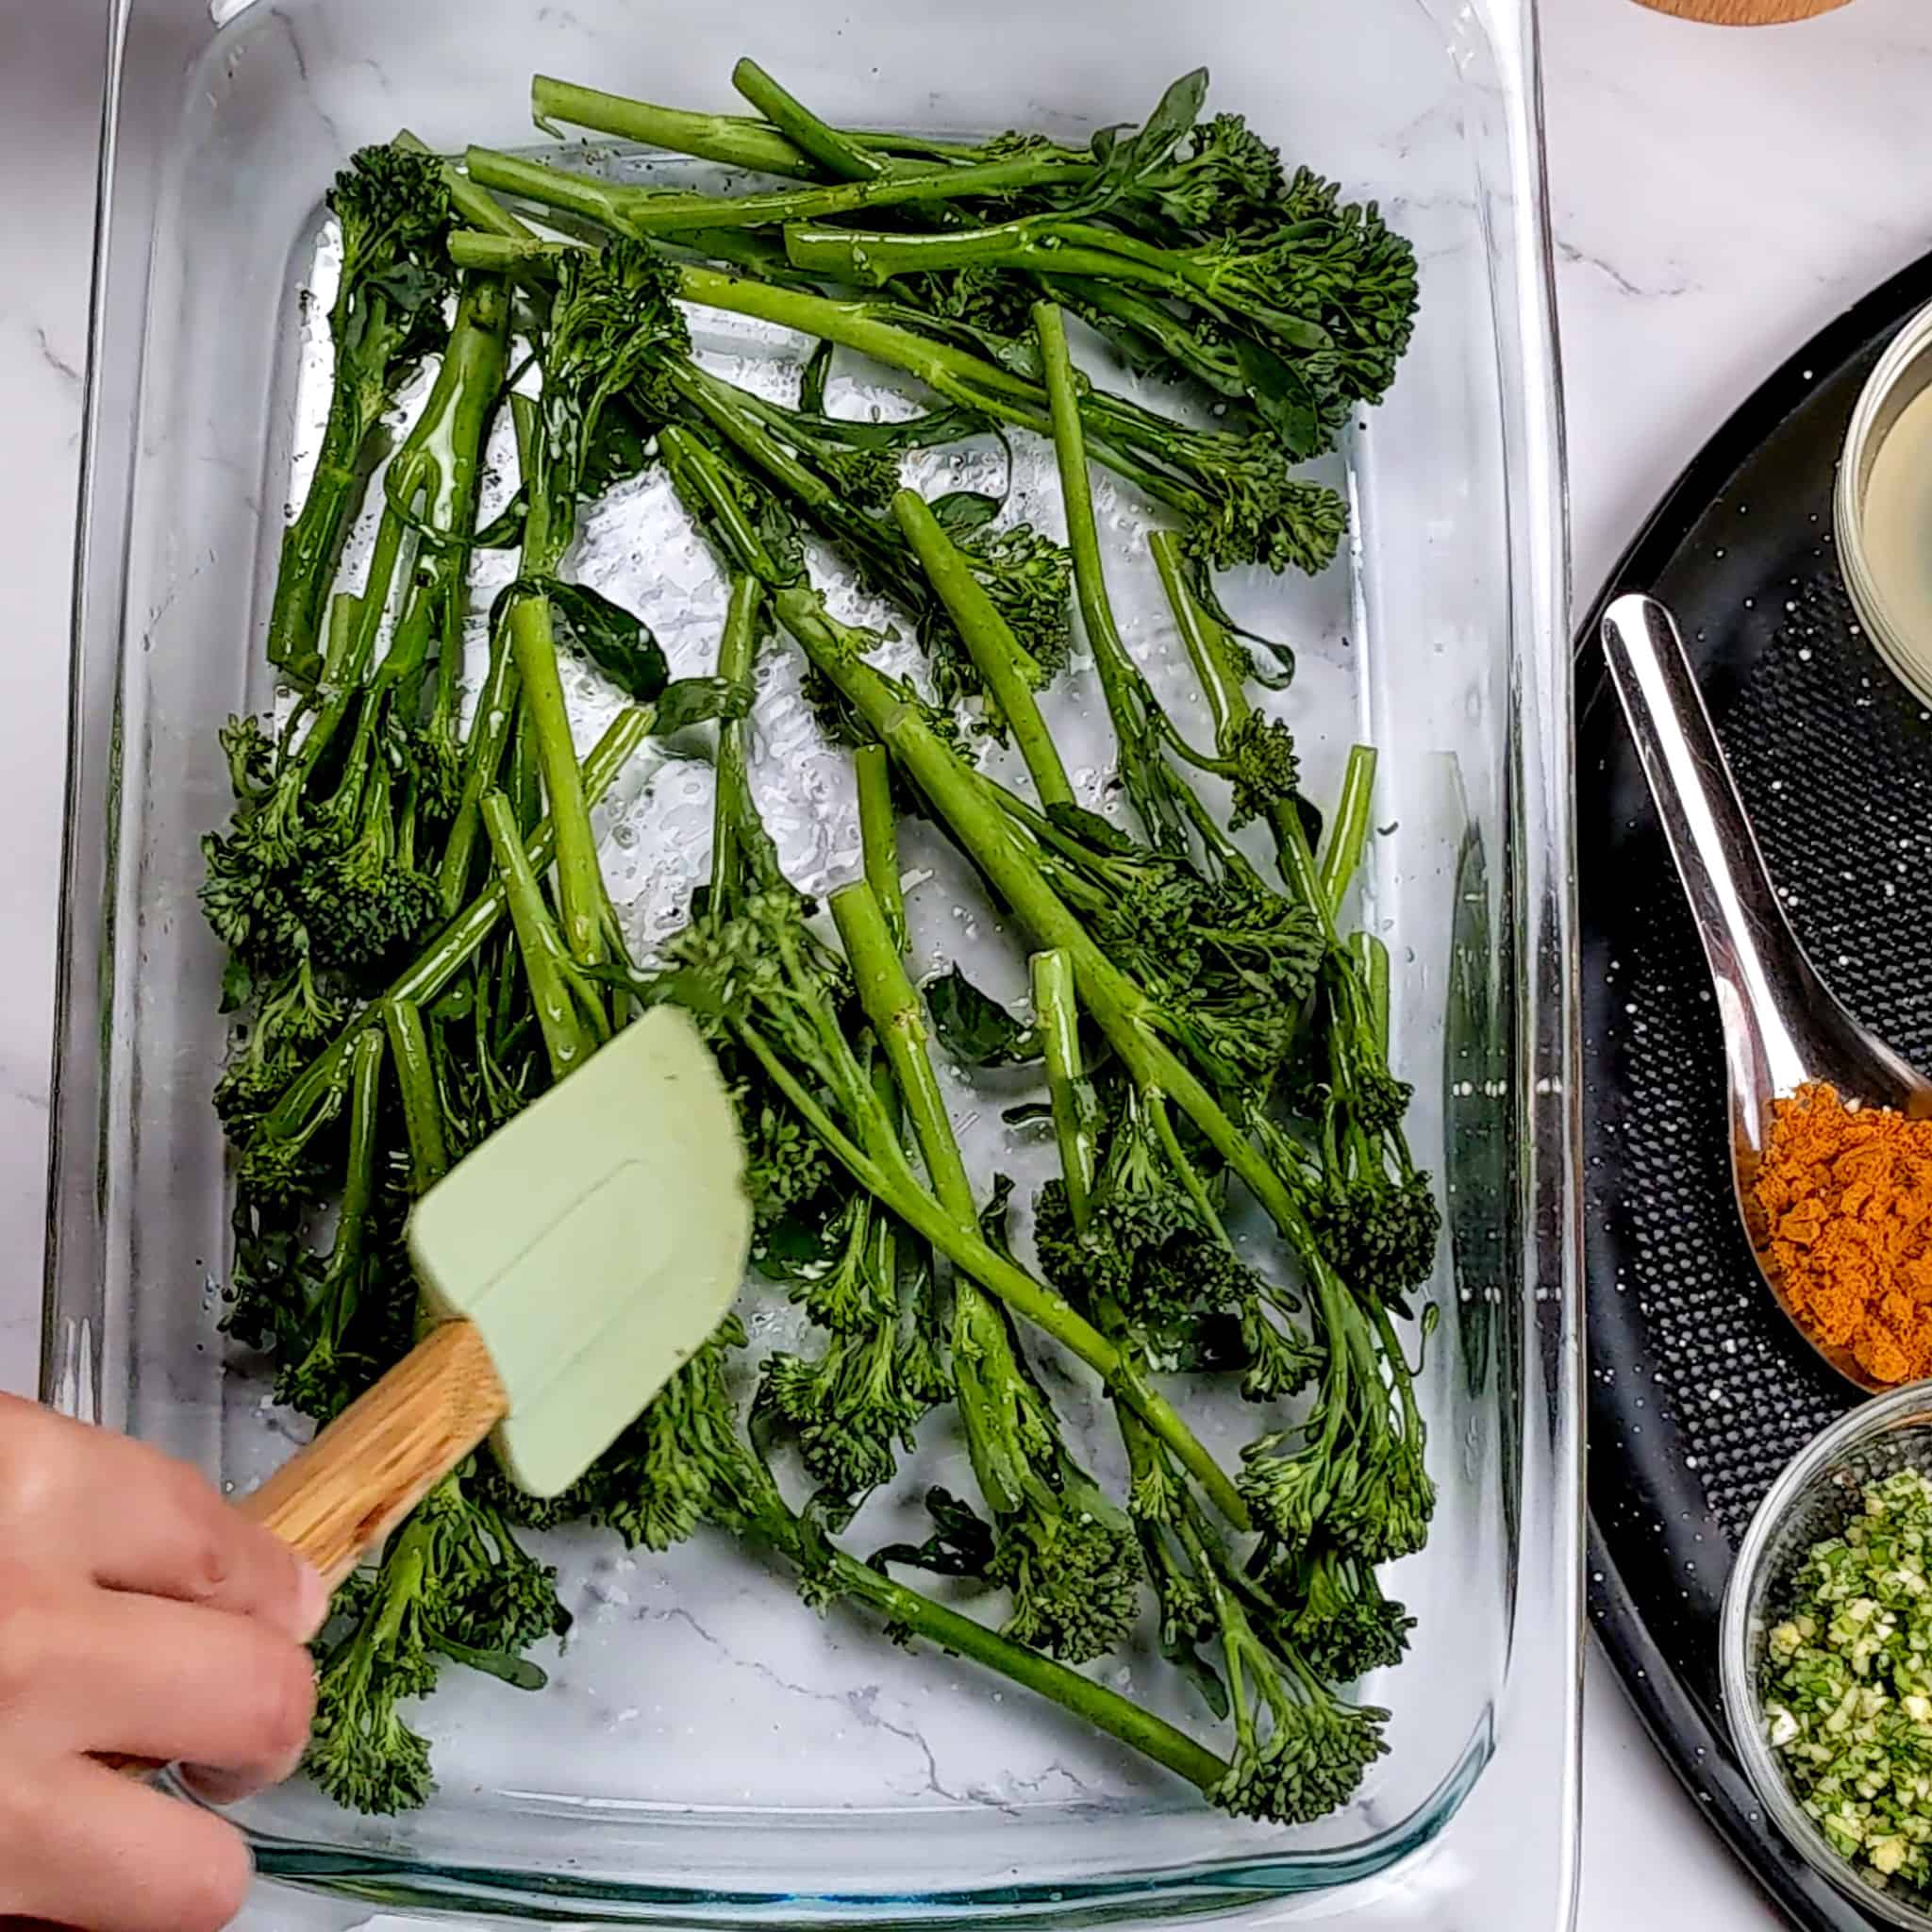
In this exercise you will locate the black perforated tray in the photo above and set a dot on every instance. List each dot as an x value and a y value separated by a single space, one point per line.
1699 1392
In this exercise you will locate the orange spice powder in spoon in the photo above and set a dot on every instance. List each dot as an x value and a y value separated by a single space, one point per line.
1846 1193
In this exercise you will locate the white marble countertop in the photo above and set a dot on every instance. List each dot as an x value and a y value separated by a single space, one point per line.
1718 197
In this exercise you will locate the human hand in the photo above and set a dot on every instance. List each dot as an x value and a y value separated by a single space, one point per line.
139 1614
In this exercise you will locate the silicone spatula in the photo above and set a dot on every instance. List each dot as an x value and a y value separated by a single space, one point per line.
575 1260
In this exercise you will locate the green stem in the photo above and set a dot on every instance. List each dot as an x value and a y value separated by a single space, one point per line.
867 256
729 139
989 639
647 212
580 890
479 209
459 943
409 1046
490 731
956 374
1222 678
493 250
571 1030
312 541
884 1174
996 845
1110 658
878 839
1348 831
436 473
358 1162
1372 962
893 1010
733 140
737 649
1056 1014
1049 244
812 136
1106 1710
583 195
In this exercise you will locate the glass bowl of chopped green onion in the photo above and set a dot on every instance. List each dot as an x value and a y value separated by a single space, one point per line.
1826 1655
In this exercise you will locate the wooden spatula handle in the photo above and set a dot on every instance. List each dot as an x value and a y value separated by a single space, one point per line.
342 1493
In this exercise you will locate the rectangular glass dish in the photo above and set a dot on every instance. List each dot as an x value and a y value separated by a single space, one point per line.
707 1751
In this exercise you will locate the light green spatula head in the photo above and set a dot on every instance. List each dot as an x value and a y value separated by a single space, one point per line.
595 1240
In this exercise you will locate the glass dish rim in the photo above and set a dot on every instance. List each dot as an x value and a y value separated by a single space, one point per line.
1547 1022
1870 1420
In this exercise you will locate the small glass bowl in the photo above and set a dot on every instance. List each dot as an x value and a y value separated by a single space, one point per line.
1815 1497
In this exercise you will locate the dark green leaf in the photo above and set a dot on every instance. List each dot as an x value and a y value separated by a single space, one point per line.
796 1241
505 530
614 641
960 1544
1282 398
811 385
408 285
1125 158
517 1671
926 431
618 449
975 1028
1173 118
992 1217
1199 1672
689 700
1311 815
238 985
960 511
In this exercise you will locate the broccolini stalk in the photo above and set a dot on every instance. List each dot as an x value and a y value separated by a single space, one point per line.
344 1322
645 213
1375 1211
1008 673
878 839
608 316
453 1586
1156 795
570 1008
1062 1548
1236 494
1256 757
733 140
314 1095
409 1046
1024 573
1331 295
392 208
844 160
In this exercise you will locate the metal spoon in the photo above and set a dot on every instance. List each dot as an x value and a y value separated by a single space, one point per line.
1783 1026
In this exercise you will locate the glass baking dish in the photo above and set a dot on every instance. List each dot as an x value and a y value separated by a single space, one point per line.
705 1751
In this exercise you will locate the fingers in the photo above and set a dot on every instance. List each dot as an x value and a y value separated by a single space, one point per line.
184 1542
98 1671
112 1855
123 1515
